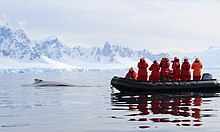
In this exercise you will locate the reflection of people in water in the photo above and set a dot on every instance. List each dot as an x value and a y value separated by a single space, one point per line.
142 105
141 102
176 106
197 102
155 104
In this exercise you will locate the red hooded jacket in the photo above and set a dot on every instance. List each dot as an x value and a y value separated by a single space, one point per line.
155 74
142 71
176 70
164 64
131 74
185 71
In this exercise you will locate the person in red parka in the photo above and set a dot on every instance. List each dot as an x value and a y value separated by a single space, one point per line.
185 70
142 71
176 69
155 74
131 74
165 71
197 66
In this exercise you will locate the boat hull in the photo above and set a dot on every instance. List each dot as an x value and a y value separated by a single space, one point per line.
129 85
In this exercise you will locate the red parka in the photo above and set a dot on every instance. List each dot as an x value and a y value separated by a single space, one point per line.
185 71
176 70
155 74
131 74
142 71
197 66
165 64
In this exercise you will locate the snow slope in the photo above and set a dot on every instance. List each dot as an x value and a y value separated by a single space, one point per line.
45 65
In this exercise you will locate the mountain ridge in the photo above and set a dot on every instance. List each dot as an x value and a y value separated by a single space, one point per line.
16 45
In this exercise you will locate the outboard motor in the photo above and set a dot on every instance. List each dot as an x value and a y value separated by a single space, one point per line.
207 76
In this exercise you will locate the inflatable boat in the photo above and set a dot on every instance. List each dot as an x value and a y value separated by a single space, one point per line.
129 85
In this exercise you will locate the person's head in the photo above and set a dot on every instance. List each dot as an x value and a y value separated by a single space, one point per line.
163 58
166 59
131 69
197 59
155 61
186 59
142 60
175 58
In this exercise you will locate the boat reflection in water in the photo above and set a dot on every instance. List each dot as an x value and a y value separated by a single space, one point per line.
177 109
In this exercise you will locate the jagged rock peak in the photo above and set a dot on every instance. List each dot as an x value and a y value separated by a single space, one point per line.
107 49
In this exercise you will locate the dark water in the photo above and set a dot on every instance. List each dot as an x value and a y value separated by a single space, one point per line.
97 109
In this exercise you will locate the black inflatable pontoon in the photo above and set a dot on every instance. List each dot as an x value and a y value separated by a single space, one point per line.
129 85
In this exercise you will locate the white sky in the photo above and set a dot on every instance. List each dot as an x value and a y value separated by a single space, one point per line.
156 25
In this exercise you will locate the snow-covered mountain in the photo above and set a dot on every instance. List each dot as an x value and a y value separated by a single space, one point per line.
21 53
14 43
210 57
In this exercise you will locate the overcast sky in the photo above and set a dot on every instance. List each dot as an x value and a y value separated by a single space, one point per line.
156 25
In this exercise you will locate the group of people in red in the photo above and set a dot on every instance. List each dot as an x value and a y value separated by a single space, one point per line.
161 71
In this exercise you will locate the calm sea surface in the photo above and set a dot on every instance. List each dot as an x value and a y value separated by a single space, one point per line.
97 109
